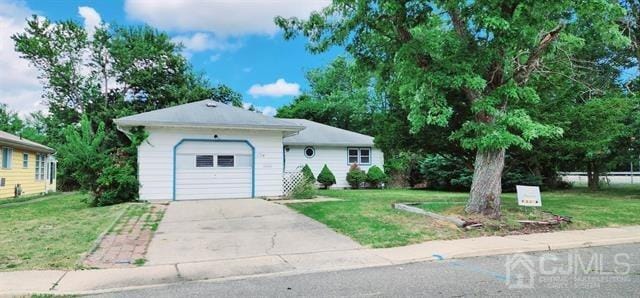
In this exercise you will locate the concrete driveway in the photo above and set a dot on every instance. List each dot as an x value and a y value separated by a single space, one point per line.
206 230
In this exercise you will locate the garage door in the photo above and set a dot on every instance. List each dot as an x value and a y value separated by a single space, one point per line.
213 170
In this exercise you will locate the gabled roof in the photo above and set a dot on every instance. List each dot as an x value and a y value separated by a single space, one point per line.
320 134
11 140
207 113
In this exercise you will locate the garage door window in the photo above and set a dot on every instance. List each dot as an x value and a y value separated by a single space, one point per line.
204 161
226 161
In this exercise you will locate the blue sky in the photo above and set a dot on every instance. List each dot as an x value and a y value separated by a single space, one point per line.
233 42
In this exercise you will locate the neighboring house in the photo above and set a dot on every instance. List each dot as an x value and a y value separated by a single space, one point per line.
210 150
25 165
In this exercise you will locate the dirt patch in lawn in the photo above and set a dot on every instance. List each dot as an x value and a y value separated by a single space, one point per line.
514 220
125 244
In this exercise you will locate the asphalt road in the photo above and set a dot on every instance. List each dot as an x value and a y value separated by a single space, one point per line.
612 271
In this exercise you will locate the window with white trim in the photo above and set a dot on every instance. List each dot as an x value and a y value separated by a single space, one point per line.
43 167
226 161
359 155
25 160
40 166
204 161
353 155
6 157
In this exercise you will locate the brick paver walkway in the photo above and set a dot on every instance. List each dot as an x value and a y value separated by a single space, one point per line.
126 245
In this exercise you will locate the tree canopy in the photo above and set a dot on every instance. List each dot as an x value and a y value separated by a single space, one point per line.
481 59
89 80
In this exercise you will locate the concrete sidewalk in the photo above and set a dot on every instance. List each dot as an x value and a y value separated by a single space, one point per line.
104 280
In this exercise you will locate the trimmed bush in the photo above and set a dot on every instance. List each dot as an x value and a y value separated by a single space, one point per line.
356 176
326 177
375 176
308 174
306 189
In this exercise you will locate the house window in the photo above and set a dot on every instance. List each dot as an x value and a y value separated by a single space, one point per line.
365 156
353 156
226 161
25 160
40 166
359 156
6 157
204 161
309 152
37 166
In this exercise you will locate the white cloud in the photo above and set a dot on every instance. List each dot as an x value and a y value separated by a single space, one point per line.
268 110
222 17
199 42
278 89
265 110
20 88
91 17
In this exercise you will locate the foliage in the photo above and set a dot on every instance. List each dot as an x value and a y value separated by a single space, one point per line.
308 174
487 55
375 176
306 189
405 168
356 176
446 172
84 153
326 177
117 71
339 96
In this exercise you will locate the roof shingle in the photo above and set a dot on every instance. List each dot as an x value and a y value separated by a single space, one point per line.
207 113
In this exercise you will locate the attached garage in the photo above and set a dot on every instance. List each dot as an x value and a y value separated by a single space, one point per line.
209 150
214 169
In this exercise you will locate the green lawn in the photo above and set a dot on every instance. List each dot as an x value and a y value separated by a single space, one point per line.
367 215
51 233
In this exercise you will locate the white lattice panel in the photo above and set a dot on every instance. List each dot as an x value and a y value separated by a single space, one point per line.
291 180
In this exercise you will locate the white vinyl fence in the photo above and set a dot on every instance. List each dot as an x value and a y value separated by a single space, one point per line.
608 178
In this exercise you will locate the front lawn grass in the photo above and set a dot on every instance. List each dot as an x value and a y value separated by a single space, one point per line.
367 215
52 233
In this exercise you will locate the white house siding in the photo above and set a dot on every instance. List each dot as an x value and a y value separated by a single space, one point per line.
155 159
334 157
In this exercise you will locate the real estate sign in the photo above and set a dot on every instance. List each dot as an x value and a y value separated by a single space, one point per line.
529 196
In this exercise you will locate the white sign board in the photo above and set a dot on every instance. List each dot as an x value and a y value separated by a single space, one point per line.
529 196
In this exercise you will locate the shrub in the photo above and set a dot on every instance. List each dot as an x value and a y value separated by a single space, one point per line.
356 176
308 174
404 169
446 172
117 184
375 176
306 189
326 178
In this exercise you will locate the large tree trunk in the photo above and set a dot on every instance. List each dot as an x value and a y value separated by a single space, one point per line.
593 176
487 183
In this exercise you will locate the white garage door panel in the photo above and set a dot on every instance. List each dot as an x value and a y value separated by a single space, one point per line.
193 183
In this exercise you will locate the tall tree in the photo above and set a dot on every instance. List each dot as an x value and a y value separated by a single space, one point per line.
484 53
340 95
117 71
